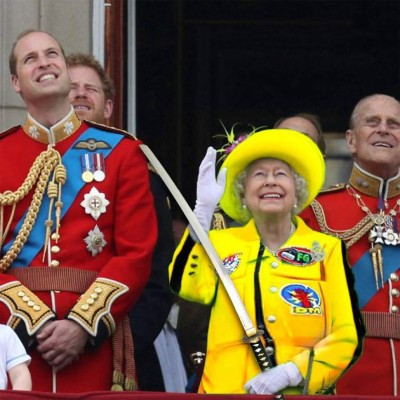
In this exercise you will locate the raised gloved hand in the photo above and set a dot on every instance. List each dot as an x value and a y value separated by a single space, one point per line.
209 190
274 380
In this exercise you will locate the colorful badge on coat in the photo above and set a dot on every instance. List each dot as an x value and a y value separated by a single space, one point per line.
93 167
95 241
231 262
95 203
296 256
303 299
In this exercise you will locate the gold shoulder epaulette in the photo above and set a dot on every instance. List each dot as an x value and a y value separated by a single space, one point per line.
9 131
333 188
110 128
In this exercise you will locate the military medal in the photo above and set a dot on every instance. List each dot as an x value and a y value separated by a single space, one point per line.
87 174
95 241
95 203
98 163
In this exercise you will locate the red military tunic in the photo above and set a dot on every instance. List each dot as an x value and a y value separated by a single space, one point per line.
101 262
352 213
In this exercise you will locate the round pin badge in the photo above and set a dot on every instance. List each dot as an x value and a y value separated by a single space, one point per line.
99 175
87 176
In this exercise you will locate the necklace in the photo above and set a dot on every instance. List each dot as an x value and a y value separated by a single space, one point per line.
384 231
385 228
292 230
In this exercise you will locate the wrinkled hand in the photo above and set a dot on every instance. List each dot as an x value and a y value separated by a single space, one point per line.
274 380
209 189
61 342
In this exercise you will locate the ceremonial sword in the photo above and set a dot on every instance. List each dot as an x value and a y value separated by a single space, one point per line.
252 334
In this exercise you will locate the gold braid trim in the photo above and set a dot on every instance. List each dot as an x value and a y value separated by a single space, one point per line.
95 304
39 174
349 236
25 305
218 221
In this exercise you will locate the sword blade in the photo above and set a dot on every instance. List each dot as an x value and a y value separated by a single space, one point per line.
223 274
252 334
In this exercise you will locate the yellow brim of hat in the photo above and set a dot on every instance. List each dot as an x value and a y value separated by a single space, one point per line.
294 148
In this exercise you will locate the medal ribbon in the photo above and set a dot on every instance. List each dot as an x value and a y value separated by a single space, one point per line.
72 162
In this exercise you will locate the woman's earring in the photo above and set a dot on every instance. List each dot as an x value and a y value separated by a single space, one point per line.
244 206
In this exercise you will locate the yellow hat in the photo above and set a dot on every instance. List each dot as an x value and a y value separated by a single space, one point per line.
294 148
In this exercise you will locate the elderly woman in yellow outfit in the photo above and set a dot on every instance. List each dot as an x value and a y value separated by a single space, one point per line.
294 282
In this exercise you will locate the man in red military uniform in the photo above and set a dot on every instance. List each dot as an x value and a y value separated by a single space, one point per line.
365 214
78 229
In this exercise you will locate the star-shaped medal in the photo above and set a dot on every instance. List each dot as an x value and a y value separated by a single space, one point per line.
376 234
95 203
95 241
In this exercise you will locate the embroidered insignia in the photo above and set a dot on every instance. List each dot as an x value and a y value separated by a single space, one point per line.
68 127
91 145
95 241
303 299
296 256
231 262
95 203
33 132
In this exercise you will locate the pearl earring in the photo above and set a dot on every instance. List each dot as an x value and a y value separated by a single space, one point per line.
244 206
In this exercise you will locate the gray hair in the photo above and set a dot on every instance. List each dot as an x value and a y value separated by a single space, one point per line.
354 114
300 185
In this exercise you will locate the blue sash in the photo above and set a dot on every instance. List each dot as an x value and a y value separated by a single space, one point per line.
72 162
363 271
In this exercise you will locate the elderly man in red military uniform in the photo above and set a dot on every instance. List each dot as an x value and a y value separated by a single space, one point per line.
365 214
78 229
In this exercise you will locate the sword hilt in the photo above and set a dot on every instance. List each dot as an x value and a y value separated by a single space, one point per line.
262 355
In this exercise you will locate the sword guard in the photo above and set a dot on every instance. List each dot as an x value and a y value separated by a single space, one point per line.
253 338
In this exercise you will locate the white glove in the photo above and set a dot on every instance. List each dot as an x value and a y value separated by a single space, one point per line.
274 380
209 190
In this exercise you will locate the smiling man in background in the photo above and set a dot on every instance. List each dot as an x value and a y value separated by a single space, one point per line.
365 214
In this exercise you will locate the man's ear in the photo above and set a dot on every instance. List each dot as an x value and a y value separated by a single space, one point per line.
108 108
351 140
15 83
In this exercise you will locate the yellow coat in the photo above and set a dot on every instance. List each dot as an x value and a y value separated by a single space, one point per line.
306 307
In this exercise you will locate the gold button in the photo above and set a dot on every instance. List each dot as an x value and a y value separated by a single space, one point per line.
98 289
55 263
85 307
394 277
90 301
36 307
395 293
55 249
55 236
94 296
395 309
31 303
25 299
21 293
